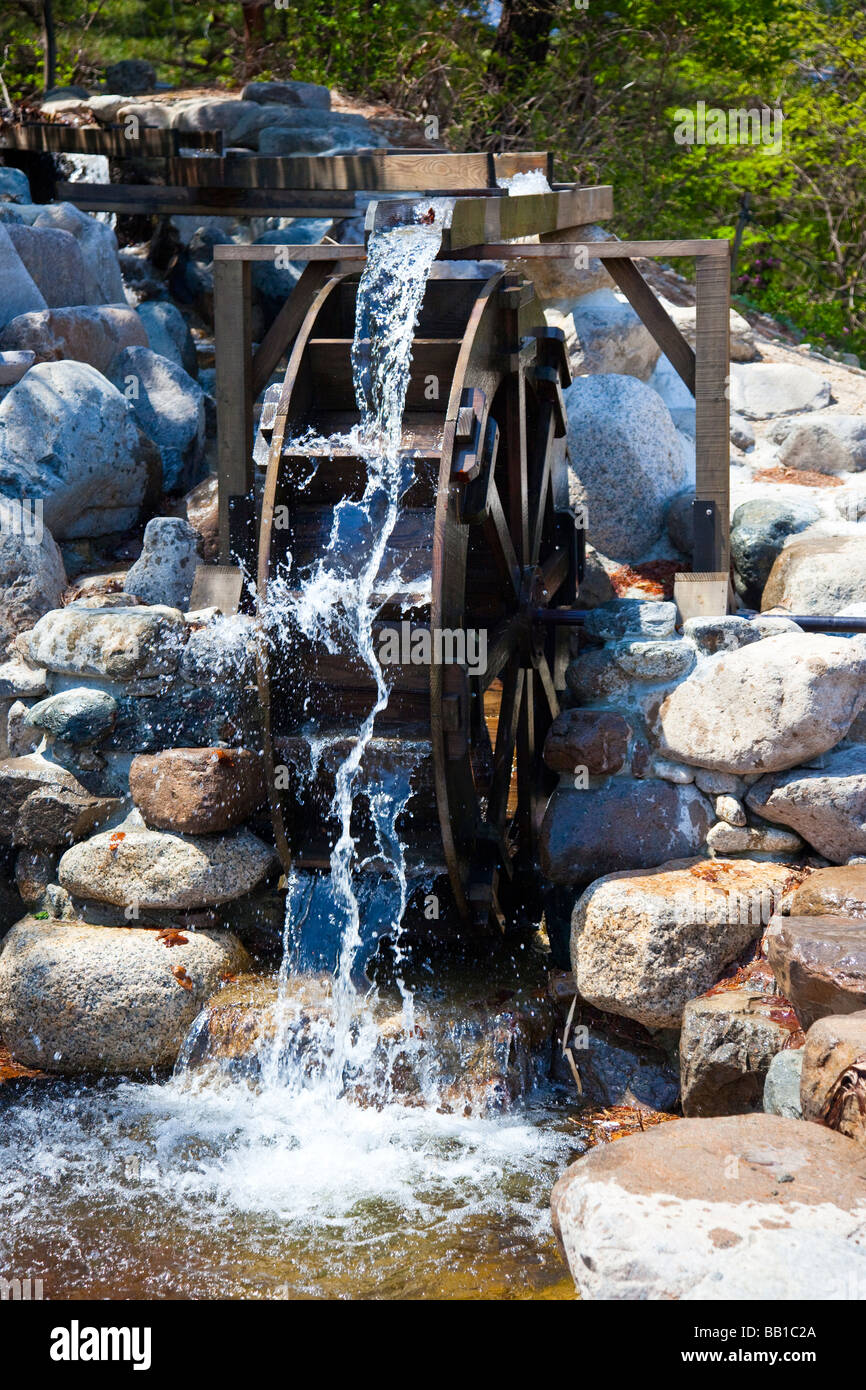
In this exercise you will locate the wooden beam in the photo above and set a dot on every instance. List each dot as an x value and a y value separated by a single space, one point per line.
475 221
158 200
318 251
602 250
234 392
655 318
712 368
420 171
116 142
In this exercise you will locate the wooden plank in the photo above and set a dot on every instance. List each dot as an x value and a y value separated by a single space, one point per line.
475 221
655 318
712 419
285 326
159 200
604 250
234 394
375 171
114 141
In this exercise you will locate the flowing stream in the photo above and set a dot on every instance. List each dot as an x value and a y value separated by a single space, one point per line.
340 1154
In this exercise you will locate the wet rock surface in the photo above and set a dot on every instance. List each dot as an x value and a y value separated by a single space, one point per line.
122 644
594 739
838 892
833 1081
727 1042
820 963
42 804
197 790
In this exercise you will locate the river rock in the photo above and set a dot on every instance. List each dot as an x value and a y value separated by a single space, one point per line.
75 716
617 1071
274 283
168 333
730 810
20 292
104 282
13 366
613 337
746 1207
626 462
826 805
644 943
77 998
720 634
724 838
759 529
742 433
820 963
43 805
197 790
626 822
742 337
121 644
782 1084
656 661
164 571
314 132
763 390
828 444
169 407
837 892
594 739
32 577
131 76
726 1046
767 706
54 260
69 437
154 870
17 678
833 1081
87 333
307 94
559 282
201 509
14 186
680 521
631 617
817 574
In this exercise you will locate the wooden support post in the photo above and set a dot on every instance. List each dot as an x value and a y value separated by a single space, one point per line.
234 397
713 448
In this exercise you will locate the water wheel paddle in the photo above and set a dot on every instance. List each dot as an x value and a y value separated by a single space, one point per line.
479 548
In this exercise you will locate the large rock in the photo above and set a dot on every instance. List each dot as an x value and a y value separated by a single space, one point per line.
307 94
839 892
131 76
87 333
169 407
828 444
767 706
612 337
615 1070
168 333
559 282
742 337
20 294
77 998
627 822
164 572
32 577
197 790
782 1084
826 805
763 390
314 132
593 739
272 283
104 282
201 508
54 260
69 437
817 574
74 716
14 186
759 529
644 943
43 805
626 462
726 1046
149 869
820 963
833 1080
121 644
746 1207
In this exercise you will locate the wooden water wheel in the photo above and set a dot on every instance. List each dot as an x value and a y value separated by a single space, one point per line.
480 548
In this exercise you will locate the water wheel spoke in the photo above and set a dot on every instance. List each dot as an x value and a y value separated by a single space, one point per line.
554 571
500 651
547 687
513 685
543 491
499 539
526 754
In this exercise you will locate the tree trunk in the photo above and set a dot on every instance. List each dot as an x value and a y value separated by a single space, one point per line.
254 34
523 36
49 45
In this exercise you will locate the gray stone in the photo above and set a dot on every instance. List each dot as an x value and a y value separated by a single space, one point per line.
724 634
680 522
743 1207
65 93
307 94
20 292
32 578
627 823
98 249
656 661
13 366
613 337
17 678
76 716
631 617
169 407
727 1043
742 337
77 998
829 444
672 772
224 651
596 675
69 437
730 810
826 805
763 390
625 462
646 941
88 333
54 260
335 133
767 706
152 869
782 1084
131 76
559 282
615 1071
168 333
121 644
273 284
742 433
759 529
42 804
719 783
724 838
14 186
164 572
817 574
